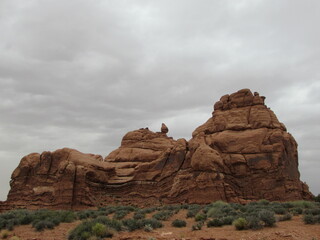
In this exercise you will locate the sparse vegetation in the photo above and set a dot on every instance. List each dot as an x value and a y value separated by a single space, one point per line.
106 221
40 219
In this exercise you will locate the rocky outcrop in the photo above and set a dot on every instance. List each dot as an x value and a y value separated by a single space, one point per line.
241 153
258 157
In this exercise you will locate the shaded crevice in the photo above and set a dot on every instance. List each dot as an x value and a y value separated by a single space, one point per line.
74 186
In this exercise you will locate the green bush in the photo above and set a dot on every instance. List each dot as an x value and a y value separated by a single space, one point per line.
317 198
154 223
240 224
296 210
215 223
132 224
254 222
179 223
197 226
120 214
267 217
200 217
227 220
99 230
263 202
313 211
309 219
89 228
220 209
4 234
285 217
193 210
303 204
43 224
163 215
148 210
139 215
279 210
148 228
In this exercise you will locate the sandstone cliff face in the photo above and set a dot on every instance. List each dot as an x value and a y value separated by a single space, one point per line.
242 153
259 156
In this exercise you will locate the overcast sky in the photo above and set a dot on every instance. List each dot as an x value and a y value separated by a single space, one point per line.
82 73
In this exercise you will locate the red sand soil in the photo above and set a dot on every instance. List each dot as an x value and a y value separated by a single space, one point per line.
288 230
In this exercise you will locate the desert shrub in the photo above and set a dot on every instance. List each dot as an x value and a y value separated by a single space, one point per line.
120 214
173 208
238 207
296 210
240 224
220 209
111 223
285 217
43 224
254 222
313 211
154 223
178 223
317 198
200 217
102 231
12 218
148 210
99 230
303 204
139 215
309 219
287 205
66 216
279 210
214 223
163 215
4 234
132 224
193 210
267 217
197 226
82 231
148 228
263 202
227 220
89 228
85 214
10 225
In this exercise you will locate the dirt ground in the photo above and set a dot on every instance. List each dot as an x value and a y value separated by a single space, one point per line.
288 230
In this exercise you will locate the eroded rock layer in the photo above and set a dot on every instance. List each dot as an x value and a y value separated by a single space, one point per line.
241 153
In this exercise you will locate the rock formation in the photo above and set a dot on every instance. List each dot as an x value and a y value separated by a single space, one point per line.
241 153
164 128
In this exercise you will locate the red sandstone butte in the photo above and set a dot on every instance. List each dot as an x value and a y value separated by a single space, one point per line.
242 153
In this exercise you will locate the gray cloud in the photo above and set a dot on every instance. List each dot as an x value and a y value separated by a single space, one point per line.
81 74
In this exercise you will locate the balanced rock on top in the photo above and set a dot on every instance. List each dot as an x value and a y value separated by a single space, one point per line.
164 128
